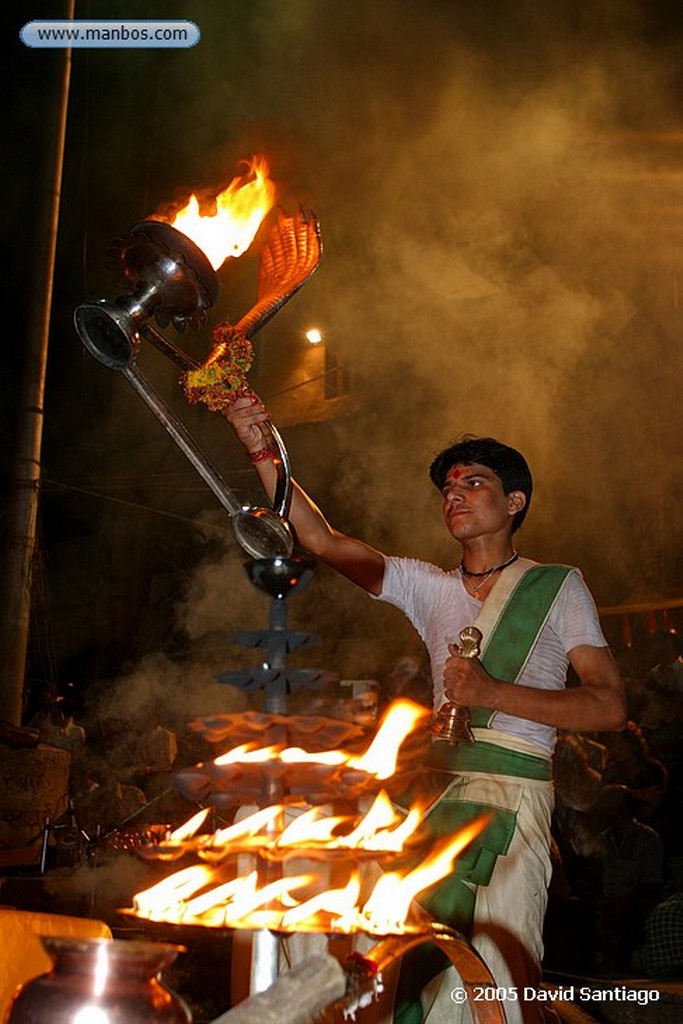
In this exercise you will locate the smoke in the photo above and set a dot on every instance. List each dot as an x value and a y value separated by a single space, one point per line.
499 205
499 192
497 261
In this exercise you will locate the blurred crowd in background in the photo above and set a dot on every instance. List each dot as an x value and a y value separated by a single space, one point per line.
616 898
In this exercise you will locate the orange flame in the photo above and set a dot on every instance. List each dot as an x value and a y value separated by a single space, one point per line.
382 829
379 759
190 827
206 894
199 896
248 827
400 718
390 901
339 902
240 209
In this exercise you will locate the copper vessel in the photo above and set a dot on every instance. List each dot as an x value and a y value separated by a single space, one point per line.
100 980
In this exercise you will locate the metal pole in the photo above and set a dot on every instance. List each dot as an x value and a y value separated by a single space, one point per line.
265 955
182 438
25 493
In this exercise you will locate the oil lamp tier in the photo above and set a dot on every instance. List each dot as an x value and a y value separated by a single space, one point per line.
344 850
314 732
228 785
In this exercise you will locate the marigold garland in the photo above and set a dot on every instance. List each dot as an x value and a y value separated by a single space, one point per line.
223 376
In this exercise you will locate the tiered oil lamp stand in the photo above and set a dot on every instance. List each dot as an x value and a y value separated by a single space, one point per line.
169 279
278 578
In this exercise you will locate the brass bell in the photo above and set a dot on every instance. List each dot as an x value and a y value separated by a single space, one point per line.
452 721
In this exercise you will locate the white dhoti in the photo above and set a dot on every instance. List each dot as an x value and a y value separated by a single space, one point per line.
507 929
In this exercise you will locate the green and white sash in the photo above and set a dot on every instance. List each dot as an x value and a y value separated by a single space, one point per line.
512 618
511 621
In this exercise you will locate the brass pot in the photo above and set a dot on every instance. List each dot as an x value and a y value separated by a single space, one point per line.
100 981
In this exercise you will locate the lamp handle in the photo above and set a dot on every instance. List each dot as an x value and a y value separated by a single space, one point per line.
282 498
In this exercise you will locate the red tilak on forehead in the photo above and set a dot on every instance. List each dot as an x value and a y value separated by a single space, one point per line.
455 472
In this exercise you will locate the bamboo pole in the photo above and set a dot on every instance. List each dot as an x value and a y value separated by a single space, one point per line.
25 487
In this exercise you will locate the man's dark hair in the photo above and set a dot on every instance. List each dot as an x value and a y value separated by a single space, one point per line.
507 463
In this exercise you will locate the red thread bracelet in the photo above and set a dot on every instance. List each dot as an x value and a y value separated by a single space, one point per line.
261 454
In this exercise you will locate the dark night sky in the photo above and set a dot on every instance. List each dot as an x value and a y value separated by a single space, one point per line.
500 188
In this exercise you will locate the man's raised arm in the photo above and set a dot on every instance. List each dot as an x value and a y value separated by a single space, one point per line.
357 561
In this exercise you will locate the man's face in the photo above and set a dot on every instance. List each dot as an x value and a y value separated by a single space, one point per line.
474 504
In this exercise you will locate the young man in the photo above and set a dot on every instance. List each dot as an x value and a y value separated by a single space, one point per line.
536 621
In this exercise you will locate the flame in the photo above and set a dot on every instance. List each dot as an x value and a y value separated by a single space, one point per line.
263 819
187 830
199 896
380 830
208 895
311 828
400 719
240 209
162 901
390 901
332 901
246 753
379 759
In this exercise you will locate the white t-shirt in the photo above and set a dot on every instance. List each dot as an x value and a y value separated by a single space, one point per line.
437 604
